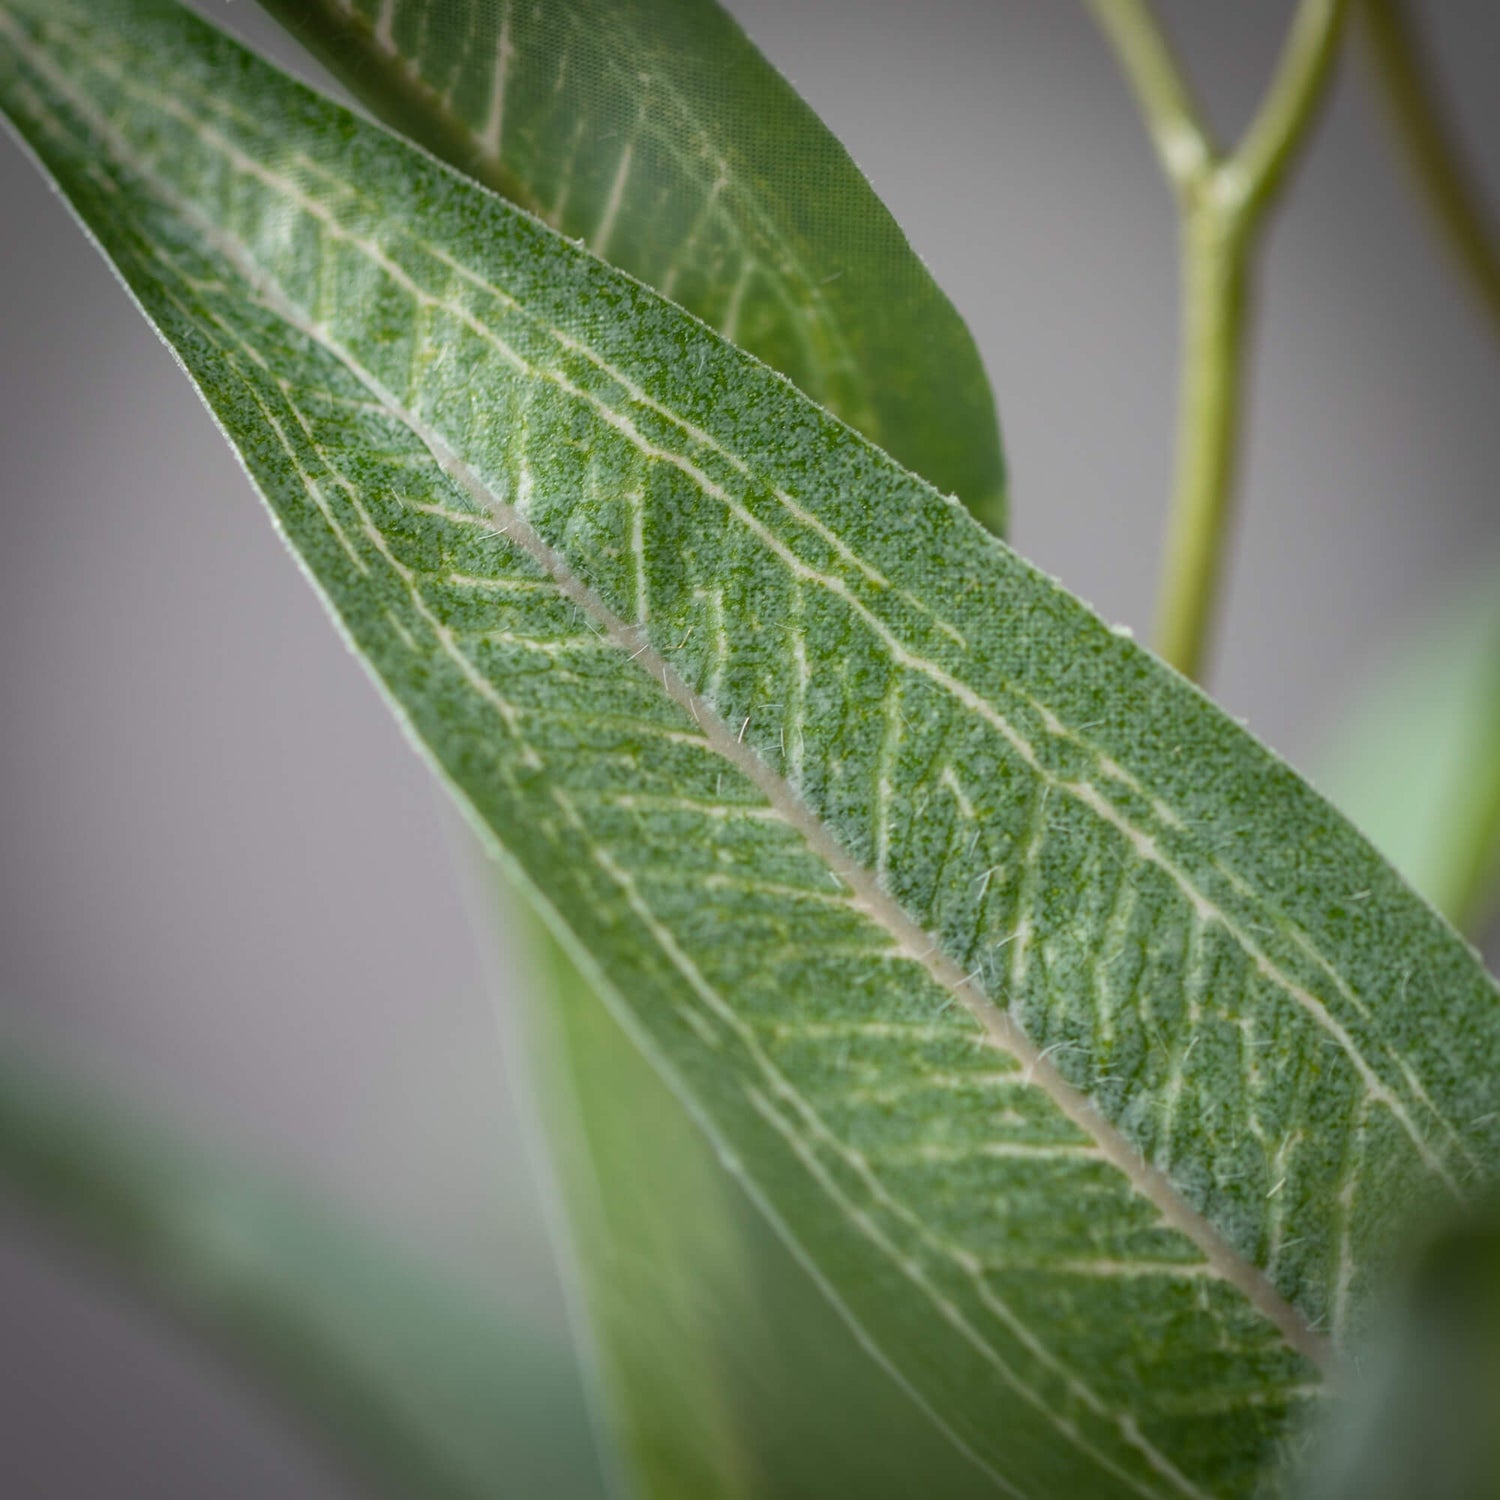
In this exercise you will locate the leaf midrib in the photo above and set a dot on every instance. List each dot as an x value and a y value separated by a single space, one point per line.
1085 792
910 938
972 701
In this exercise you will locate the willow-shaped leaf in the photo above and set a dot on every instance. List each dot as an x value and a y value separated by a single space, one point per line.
1083 1051
431 1390
655 131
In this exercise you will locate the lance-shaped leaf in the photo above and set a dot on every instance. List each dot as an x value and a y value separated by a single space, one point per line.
655 131
1083 1052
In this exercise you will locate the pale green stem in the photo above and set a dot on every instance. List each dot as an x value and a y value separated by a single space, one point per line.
1209 403
1222 201
1297 89
1432 147
1166 101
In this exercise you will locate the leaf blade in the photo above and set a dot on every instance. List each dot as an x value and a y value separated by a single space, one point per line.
727 1370
660 135
779 918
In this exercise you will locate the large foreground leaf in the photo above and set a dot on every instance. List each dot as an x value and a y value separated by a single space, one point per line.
657 133
1084 1054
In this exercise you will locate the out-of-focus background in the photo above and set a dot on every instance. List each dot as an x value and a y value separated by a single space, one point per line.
226 884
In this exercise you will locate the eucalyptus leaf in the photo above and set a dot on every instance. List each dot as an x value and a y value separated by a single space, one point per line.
655 131
426 1387
1081 1051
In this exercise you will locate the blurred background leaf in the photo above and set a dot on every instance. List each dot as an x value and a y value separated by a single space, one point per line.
424 1386
1422 1421
1415 759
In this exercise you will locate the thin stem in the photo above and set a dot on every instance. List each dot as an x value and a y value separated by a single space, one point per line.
1432 148
1297 88
1222 202
1209 404
1172 115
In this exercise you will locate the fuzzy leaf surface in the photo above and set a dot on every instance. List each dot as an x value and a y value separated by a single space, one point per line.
1084 1053
655 131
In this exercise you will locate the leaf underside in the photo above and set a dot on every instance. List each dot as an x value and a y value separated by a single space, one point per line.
655 131
1082 1052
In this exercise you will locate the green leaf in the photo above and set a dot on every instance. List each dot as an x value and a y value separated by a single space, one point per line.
430 1389
773 234
1083 1053
655 131
728 1372
665 1275
1415 761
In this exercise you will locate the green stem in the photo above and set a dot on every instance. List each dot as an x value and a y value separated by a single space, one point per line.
1222 202
1166 101
1214 261
1291 103
1432 148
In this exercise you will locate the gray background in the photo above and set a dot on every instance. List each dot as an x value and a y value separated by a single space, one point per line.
224 880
